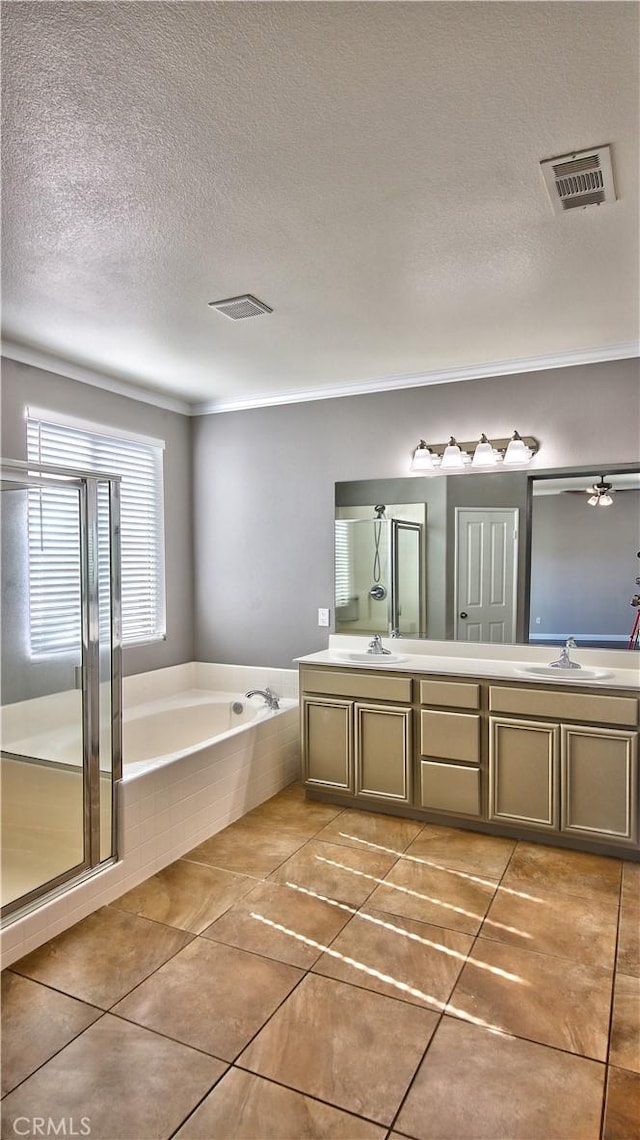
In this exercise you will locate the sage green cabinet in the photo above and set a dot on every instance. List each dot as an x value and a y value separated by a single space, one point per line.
357 747
383 752
524 761
599 783
327 743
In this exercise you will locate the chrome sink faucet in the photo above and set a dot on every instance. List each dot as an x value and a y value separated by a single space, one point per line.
376 647
272 700
564 660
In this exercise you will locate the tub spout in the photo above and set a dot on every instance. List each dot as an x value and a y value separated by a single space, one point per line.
272 700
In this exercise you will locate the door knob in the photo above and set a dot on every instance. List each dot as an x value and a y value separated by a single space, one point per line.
463 614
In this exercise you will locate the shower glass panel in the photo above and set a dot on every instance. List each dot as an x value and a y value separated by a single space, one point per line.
379 576
408 581
60 671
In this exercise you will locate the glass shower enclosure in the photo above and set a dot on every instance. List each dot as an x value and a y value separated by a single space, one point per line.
379 576
61 679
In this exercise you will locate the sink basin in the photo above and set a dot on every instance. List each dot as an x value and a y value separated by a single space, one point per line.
572 675
363 658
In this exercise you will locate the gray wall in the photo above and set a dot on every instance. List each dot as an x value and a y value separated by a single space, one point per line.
24 385
584 565
264 486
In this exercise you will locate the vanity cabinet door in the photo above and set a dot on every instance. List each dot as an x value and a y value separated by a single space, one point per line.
383 752
523 772
599 776
327 744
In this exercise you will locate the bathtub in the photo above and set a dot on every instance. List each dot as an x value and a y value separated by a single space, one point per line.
191 766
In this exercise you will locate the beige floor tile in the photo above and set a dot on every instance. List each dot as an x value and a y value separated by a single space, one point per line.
352 1048
124 1081
567 926
438 895
629 934
103 957
545 999
187 895
289 812
475 1085
335 872
246 1107
211 997
281 922
622 1111
552 869
398 957
469 851
625 1026
247 848
371 831
36 1023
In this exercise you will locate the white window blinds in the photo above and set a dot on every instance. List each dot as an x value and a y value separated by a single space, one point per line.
53 527
344 562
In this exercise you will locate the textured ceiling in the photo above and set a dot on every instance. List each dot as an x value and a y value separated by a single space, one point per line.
369 170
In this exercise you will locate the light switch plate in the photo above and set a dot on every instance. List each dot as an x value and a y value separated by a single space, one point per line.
323 617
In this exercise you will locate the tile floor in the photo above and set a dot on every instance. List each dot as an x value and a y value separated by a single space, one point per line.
313 972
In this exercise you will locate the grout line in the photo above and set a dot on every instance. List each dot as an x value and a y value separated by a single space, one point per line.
101 1014
605 1091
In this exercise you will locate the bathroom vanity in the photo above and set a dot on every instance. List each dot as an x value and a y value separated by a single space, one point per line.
501 746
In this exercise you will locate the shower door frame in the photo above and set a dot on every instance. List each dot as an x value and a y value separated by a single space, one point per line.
28 475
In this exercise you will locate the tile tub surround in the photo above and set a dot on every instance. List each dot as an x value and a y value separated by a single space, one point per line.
166 811
299 1013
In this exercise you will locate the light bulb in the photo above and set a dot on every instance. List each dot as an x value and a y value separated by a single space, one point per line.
484 454
453 459
517 450
422 459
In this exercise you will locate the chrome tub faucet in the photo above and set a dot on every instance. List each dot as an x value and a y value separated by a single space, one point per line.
272 700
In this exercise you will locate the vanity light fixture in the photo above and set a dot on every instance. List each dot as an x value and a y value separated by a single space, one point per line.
517 450
452 457
485 454
422 461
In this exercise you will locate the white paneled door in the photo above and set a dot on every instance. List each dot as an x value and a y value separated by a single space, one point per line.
486 574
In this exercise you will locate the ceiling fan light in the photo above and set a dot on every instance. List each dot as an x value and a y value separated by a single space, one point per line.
517 450
485 454
422 461
605 500
593 501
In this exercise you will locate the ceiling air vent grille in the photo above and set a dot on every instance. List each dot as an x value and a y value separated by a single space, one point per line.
239 308
578 180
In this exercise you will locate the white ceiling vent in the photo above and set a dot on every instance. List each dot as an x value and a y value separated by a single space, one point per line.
581 179
239 308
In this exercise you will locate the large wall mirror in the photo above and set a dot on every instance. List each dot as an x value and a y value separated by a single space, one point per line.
509 557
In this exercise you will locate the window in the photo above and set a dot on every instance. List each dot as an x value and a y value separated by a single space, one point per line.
344 562
53 530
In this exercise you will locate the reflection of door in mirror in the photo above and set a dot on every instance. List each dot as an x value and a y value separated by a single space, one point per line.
379 570
486 560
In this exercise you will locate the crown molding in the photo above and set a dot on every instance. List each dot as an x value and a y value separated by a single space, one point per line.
419 380
23 354
41 359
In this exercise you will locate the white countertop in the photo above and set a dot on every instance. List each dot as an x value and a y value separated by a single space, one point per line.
505 663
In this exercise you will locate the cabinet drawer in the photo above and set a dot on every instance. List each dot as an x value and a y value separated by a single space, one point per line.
450 735
562 705
452 694
450 788
366 685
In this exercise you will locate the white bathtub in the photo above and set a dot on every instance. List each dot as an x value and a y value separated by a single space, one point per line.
191 766
167 730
